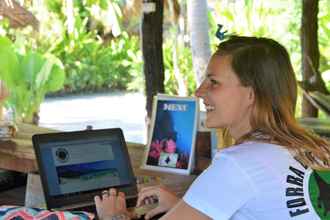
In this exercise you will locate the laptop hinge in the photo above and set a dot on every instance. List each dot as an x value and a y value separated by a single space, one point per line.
75 206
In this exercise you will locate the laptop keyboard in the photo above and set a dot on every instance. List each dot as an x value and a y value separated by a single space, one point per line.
131 202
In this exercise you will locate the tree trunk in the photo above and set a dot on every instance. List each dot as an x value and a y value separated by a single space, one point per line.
309 50
152 40
200 42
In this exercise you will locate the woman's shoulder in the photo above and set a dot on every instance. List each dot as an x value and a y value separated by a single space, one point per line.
254 151
252 147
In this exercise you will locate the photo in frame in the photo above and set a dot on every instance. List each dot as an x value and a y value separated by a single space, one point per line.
171 143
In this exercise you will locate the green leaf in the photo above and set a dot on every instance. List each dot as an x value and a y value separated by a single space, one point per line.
229 15
31 66
54 5
104 4
9 71
117 9
56 79
51 77
43 74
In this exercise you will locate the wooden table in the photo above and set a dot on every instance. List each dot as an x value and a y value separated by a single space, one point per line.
17 154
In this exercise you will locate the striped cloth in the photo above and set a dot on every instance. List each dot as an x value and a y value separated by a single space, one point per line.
22 213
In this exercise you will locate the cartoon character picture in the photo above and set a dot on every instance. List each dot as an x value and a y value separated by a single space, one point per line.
174 126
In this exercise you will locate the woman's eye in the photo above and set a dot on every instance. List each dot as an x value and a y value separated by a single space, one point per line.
214 82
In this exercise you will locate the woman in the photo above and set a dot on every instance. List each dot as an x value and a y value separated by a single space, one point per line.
250 89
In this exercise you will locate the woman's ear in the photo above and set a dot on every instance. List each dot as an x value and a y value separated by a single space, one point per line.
251 96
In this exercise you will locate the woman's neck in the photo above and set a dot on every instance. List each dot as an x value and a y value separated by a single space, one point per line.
239 132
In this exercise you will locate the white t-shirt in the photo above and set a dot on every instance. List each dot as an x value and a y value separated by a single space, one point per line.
259 181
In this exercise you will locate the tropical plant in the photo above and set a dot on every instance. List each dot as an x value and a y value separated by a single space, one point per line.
184 62
29 77
92 61
92 65
277 20
324 40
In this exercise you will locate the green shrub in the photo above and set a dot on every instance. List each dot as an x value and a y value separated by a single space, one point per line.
184 65
28 76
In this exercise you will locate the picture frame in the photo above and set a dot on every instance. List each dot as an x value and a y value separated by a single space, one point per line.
171 142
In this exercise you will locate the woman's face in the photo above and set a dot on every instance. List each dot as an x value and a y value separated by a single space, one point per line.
228 103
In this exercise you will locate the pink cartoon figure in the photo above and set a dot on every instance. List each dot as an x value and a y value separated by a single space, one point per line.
155 149
170 146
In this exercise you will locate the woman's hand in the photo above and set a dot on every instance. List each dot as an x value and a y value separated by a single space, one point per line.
111 205
166 199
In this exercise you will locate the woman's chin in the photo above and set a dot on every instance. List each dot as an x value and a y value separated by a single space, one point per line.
210 125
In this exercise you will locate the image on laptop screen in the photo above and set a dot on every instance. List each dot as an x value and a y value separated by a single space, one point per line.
83 165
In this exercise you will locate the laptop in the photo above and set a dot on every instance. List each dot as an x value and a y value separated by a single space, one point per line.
76 166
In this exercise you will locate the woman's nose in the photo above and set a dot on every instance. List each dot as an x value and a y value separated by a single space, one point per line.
201 90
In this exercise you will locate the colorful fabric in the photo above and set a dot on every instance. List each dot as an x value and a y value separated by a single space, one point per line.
22 213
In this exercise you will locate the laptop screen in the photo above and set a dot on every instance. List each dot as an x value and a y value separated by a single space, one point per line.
80 162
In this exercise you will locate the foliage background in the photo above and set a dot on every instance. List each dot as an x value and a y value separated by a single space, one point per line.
99 46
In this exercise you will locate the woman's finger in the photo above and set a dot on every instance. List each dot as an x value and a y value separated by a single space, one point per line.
112 198
97 199
105 194
121 201
98 203
112 192
144 195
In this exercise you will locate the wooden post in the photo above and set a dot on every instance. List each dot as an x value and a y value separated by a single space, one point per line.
18 16
309 50
152 41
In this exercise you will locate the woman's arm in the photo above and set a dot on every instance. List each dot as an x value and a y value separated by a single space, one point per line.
111 204
183 211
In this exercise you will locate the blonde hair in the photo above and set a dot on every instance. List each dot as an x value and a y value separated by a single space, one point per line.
264 65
